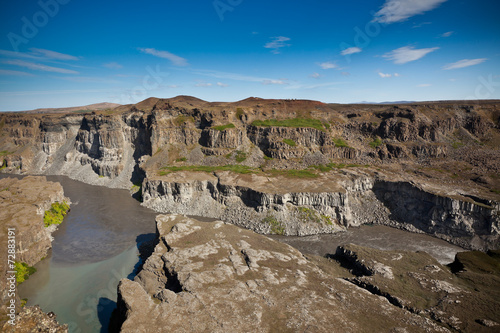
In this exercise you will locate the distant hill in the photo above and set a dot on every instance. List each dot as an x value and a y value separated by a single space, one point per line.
76 109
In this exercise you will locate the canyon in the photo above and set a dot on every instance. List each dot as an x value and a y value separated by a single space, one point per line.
292 167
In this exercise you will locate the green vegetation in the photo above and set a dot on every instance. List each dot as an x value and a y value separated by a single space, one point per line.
294 173
182 159
308 214
223 127
326 124
158 151
23 271
239 113
5 152
495 191
267 158
276 226
294 122
55 214
4 165
340 142
234 168
23 302
457 144
240 156
330 166
290 142
377 142
181 120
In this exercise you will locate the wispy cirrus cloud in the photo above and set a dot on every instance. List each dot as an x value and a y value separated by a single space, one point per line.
279 82
328 65
39 67
400 10
175 59
238 77
277 43
52 54
315 75
447 34
464 63
112 65
14 73
423 85
351 50
407 54
223 85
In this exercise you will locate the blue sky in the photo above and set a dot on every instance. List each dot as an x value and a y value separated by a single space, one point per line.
57 53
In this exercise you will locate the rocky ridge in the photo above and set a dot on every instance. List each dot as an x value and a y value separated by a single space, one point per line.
213 276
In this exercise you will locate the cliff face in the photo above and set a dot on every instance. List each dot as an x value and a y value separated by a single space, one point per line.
234 280
452 145
23 204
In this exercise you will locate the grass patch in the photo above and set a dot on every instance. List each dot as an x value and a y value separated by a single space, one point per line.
377 142
5 152
294 122
294 173
457 144
182 120
239 113
340 142
233 168
240 156
182 159
330 166
223 127
290 142
495 191
308 214
23 271
56 213
276 226
268 158
4 165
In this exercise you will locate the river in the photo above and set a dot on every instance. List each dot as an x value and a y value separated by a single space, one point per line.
97 245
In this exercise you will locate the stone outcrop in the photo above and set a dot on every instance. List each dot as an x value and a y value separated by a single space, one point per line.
33 319
331 203
212 276
22 207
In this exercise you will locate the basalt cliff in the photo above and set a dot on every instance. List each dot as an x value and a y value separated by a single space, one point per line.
292 167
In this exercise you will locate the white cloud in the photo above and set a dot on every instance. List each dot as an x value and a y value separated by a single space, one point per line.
233 76
39 67
397 74
447 34
203 84
276 43
345 74
172 86
268 82
328 65
350 50
15 73
220 84
420 25
400 10
423 85
408 53
315 75
112 65
175 59
313 86
384 75
464 63
52 54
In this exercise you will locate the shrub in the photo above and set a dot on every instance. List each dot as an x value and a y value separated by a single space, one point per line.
55 215
23 271
377 142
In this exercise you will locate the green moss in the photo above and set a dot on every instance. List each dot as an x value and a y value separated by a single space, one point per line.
290 142
340 142
182 120
294 122
223 127
55 215
5 152
23 302
182 159
311 215
234 168
23 271
239 113
276 226
294 173
267 158
4 165
240 156
377 142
